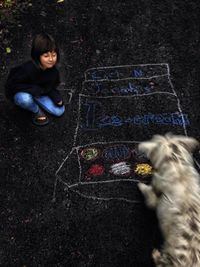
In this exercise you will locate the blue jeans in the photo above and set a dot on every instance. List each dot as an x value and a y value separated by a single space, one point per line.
28 102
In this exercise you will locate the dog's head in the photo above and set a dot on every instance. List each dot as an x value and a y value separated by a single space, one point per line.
162 149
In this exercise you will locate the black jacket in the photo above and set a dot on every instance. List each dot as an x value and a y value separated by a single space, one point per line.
29 78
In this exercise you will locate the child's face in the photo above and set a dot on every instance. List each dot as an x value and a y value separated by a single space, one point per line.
48 60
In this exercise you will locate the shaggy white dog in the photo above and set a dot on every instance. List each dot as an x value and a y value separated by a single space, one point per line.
175 194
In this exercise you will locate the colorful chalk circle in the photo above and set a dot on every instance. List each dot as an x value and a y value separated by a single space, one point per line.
89 153
121 169
143 169
96 170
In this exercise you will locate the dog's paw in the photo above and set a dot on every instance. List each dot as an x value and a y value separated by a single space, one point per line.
142 187
156 255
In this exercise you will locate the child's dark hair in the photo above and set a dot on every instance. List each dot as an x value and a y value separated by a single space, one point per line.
43 43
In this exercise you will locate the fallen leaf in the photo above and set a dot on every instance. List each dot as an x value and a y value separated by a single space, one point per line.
8 50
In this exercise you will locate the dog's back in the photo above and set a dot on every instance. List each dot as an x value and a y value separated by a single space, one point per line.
175 184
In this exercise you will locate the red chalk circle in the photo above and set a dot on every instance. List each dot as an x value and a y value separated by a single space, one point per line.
96 170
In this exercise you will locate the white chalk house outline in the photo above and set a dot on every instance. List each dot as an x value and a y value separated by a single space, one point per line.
165 72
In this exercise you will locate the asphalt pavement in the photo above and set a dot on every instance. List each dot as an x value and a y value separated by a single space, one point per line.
68 190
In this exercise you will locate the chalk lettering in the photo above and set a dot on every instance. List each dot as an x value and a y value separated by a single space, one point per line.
113 74
147 89
147 119
159 119
108 121
96 75
123 72
137 73
116 153
180 120
131 89
137 119
98 87
90 113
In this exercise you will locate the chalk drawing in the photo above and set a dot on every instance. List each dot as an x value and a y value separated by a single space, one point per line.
119 101
127 71
120 169
143 169
127 86
90 153
116 153
104 113
146 119
95 170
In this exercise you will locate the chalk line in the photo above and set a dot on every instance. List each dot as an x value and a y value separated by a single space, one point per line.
104 182
124 79
65 160
78 120
179 107
126 96
108 199
128 66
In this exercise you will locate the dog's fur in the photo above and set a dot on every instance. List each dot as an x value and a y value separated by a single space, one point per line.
175 194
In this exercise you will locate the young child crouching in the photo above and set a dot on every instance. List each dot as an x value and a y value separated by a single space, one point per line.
32 85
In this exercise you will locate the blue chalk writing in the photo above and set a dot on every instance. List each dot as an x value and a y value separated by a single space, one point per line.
116 153
126 90
98 87
147 89
148 119
130 89
90 108
102 75
137 73
108 121
95 76
115 74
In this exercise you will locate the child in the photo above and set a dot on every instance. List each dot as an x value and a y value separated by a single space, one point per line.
32 85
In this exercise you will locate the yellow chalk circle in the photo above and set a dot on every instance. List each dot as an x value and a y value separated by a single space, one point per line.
143 169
